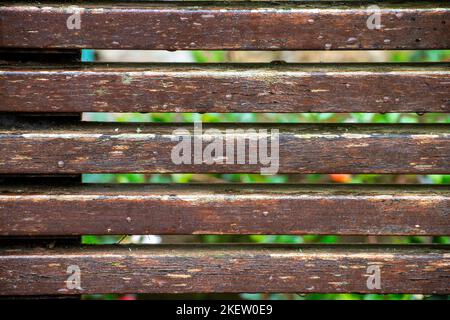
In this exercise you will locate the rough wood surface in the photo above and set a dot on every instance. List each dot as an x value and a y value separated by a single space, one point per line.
225 88
70 147
245 26
37 210
225 268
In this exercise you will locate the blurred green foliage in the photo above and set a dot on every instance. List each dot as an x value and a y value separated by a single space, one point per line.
220 56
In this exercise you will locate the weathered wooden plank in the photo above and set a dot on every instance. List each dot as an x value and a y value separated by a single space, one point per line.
47 56
37 210
246 26
58 147
226 268
225 88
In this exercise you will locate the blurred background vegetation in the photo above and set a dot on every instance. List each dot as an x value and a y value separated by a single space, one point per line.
223 56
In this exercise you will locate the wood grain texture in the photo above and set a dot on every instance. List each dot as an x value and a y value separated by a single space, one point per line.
225 268
225 88
236 26
57 147
37 210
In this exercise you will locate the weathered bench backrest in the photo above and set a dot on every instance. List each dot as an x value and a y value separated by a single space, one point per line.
43 156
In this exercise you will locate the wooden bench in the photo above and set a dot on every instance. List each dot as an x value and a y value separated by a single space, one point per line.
45 147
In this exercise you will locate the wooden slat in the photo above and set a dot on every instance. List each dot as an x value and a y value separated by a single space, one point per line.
58 147
226 88
248 26
220 268
38 210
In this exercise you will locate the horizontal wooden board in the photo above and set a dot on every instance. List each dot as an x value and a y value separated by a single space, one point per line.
236 26
225 268
225 88
37 210
57 147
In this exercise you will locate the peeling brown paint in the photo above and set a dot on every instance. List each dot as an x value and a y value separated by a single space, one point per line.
182 26
65 147
53 209
38 147
161 269
226 88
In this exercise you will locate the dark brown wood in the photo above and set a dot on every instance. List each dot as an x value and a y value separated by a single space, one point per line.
59 147
47 56
225 88
224 209
237 26
225 268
